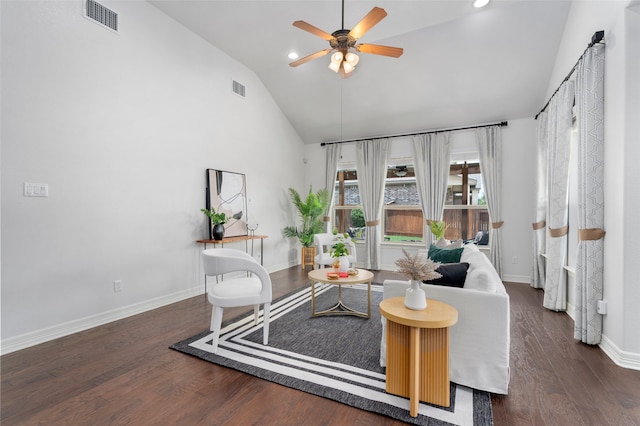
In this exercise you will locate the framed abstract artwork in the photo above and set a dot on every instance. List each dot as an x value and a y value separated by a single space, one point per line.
227 193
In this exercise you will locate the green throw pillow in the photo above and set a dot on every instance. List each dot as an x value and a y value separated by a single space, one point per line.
445 255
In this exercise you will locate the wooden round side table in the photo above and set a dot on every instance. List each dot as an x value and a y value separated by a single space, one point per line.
418 351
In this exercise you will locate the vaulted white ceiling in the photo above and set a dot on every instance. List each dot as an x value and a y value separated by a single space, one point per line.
461 65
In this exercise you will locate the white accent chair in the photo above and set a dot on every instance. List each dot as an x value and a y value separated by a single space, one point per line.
252 289
323 243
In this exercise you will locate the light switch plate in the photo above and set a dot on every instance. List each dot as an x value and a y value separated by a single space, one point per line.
35 189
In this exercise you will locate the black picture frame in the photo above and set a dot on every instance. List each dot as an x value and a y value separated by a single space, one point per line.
227 192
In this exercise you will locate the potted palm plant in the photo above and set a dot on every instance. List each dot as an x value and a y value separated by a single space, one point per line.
218 219
310 210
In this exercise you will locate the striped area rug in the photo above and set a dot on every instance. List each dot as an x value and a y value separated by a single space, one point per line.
336 357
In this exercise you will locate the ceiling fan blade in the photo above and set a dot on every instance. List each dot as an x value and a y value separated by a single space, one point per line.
313 30
373 17
377 49
310 57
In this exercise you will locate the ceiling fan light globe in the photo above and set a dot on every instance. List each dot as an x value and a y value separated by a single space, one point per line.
347 67
336 58
480 3
334 66
352 59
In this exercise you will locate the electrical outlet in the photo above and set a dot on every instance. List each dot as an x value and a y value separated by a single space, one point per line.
514 259
117 285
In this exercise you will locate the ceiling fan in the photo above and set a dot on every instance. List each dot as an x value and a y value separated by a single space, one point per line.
342 41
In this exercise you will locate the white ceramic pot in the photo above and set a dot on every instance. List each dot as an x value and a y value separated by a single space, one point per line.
344 264
415 298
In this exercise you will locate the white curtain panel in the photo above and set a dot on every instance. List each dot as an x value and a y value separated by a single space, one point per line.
490 149
334 151
431 162
539 226
560 123
371 164
590 254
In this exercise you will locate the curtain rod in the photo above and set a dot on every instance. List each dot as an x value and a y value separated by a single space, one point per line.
424 132
595 39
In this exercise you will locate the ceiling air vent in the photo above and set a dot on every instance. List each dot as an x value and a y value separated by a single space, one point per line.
100 14
238 88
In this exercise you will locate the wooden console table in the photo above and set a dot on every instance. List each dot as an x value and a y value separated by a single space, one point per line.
245 238
418 351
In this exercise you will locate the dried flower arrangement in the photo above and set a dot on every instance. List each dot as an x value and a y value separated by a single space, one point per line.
418 267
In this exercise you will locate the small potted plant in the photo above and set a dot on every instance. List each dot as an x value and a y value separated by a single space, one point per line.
340 251
438 227
218 219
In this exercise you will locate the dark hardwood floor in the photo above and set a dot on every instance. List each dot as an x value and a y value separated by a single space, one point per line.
124 373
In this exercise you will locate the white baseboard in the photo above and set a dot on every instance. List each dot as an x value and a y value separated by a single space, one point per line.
33 338
622 358
571 311
525 279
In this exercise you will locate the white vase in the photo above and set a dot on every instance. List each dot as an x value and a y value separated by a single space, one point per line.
415 298
344 264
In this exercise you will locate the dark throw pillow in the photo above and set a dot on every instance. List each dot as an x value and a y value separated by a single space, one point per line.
453 274
445 255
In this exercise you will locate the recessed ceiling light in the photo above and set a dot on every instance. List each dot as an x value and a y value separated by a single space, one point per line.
480 3
293 55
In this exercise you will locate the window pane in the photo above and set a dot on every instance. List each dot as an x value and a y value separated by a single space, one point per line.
465 185
477 197
351 221
402 216
401 192
402 224
351 196
467 224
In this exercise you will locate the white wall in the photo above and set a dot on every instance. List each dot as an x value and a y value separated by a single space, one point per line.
122 127
518 186
631 324
621 24
518 206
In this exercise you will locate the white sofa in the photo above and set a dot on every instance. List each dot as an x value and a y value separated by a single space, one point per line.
480 340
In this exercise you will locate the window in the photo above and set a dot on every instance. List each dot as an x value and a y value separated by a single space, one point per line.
348 216
402 219
465 208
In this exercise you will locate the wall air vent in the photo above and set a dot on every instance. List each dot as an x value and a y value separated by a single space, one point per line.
238 88
100 14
